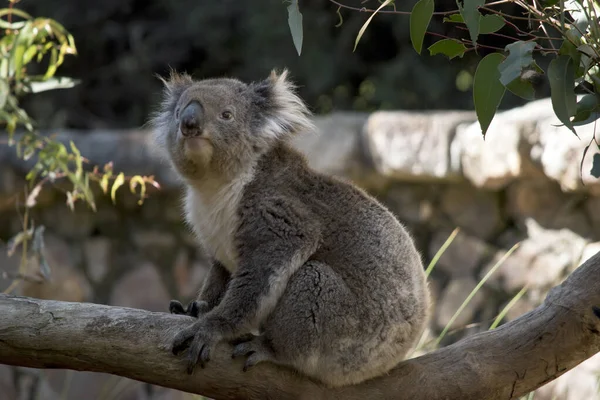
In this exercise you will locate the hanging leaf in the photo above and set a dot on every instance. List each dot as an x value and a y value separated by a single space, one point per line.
449 47
31 199
469 10
588 104
295 24
3 93
523 86
490 23
455 18
52 84
364 27
419 21
37 249
120 179
519 58
487 89
562 80
138 180
577 11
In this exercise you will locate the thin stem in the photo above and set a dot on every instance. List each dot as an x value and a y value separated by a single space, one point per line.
394 11
509 16
462 28
536 5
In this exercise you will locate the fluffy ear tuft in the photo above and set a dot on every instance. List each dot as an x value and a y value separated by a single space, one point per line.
284 112
176 83
173 88
161 118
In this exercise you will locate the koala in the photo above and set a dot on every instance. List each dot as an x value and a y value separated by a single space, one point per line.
308 271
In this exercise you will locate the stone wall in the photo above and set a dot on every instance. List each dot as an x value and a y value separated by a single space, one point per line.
432 169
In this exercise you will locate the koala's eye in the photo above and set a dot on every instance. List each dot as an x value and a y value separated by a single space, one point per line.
226 115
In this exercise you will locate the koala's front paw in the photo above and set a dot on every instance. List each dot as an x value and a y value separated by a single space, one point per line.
200 339
193 309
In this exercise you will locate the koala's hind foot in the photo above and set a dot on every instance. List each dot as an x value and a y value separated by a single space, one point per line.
194 308
255 349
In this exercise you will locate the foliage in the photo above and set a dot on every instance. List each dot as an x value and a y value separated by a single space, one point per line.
295 23
575 25
46 42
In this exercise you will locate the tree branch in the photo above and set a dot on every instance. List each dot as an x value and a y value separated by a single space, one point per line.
505 363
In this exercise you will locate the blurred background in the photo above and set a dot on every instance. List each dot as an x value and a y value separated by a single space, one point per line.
425 159
123 44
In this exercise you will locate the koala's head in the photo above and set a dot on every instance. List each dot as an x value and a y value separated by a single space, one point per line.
221 125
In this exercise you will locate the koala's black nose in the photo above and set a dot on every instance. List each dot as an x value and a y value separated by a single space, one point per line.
191 120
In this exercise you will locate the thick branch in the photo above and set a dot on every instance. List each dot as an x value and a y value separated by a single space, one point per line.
505 363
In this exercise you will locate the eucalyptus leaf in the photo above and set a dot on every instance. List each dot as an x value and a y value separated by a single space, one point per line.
469 10
575 8
364 27
456 18
449 47
490 23
4 89
519 58
14 11
588 104
561 75
53 83
522 86
295 24
119 181
487 89
419 21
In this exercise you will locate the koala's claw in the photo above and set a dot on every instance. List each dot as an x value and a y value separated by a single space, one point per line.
193 309
255 350
200 342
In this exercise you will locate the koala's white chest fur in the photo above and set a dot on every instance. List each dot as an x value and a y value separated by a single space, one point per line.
212 211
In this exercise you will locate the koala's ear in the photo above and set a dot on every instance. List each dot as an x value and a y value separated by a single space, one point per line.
281 111
175 85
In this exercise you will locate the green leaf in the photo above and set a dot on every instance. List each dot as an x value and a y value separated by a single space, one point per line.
14 11
561 75
419 21
295 23
577 11
23 40
519 57
456 18
3 93
487 89
490 23
522 86
588 104
53 83
470 13
29 54
78 160
52 64
587 50
364 27
448 47
119 181
13 26
567 48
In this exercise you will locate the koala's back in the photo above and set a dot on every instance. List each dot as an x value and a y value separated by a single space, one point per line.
361 301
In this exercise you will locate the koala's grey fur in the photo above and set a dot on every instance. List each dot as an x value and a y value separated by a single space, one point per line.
327 278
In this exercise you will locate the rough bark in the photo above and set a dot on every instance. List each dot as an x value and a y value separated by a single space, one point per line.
505 363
